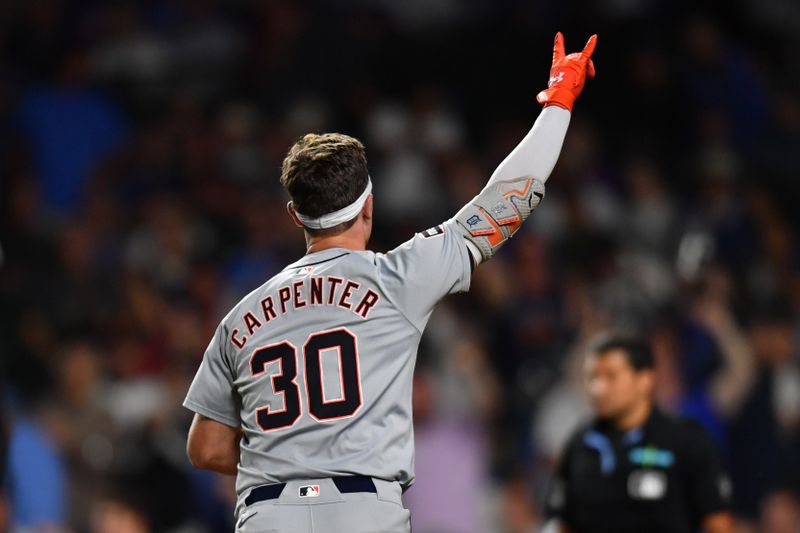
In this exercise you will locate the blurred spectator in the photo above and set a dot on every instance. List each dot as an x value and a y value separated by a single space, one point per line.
516 511
716 361
721 84
764 435
72 129
780 512
112 516
83 430
455 397
37 478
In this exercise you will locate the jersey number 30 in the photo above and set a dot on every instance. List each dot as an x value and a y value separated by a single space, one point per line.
284 383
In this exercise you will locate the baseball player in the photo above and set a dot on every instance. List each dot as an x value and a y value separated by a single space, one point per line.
304 392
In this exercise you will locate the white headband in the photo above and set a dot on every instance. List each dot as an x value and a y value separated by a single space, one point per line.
337 217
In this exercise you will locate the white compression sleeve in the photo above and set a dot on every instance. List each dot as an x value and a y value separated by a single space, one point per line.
537 153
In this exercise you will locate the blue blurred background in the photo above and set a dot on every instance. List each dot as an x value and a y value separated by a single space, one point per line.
140 146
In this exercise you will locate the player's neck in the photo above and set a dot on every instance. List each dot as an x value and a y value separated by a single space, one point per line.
635 418
346 240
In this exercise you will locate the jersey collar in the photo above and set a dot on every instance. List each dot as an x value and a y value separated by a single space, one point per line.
315 258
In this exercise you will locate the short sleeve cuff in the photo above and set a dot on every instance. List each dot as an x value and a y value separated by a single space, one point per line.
465 279
210 413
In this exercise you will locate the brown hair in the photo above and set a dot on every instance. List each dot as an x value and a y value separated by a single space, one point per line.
324 173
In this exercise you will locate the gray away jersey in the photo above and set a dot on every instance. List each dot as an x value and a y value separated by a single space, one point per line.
316 365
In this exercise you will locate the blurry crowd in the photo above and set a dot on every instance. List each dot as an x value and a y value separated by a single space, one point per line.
140 148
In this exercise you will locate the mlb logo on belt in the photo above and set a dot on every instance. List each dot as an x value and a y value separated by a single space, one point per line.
309 491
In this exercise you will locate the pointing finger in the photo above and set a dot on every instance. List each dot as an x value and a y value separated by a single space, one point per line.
558 47
590 44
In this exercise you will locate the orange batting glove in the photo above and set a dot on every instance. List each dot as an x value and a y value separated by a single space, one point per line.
568 74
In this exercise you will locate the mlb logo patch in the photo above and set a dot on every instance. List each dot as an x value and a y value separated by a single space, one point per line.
309 491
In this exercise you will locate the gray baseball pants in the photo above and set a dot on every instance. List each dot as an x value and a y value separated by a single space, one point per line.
329 511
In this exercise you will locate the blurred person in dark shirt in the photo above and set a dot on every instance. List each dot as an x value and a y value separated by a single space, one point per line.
633 468
765 433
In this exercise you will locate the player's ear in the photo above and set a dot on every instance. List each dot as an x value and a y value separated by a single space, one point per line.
366 211
648 381
290 209
366 218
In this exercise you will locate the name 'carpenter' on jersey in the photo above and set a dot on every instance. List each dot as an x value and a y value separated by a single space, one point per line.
307 292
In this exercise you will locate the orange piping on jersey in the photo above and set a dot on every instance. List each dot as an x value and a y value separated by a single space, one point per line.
268 308
251 322
284 295
333 281
282 393
341 377
238 342
367 302
347 293
298 301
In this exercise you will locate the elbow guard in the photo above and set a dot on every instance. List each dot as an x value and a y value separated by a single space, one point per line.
493 216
